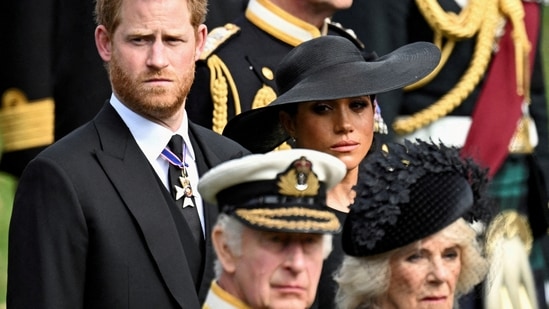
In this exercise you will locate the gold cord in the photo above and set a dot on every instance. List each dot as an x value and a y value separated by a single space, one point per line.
481 18
220 80
263 97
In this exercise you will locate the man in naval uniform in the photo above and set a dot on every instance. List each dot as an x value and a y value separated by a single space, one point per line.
274 230
235 72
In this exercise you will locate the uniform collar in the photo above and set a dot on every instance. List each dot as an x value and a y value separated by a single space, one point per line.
280 24
218 298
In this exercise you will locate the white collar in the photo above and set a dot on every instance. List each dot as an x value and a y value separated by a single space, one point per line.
280 24
150 136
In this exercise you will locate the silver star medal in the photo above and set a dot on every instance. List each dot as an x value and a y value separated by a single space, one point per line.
185 191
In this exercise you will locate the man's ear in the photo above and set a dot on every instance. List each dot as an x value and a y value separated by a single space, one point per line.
201 35
224 254
103 43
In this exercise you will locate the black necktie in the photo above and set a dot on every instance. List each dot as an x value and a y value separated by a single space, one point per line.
175 175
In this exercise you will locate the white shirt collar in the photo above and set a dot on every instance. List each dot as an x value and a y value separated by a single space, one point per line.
150 136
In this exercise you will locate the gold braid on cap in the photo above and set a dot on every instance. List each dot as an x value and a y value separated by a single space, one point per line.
482 18
275 218
220 81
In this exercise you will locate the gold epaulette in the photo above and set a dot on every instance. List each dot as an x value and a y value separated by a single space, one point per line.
217 37
25 124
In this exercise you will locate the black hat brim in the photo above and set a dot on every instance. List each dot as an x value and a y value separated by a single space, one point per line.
260 131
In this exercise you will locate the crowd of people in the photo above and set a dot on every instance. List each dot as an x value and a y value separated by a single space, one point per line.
260 154
328 104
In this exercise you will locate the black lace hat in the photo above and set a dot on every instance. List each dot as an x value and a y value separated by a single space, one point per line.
283 191
326 68
411 191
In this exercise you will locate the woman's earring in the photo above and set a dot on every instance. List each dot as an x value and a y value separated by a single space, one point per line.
379 124
291 142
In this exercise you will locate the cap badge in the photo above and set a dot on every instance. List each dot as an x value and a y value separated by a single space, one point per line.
299 179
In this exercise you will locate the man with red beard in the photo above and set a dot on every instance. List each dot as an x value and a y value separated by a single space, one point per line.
109 216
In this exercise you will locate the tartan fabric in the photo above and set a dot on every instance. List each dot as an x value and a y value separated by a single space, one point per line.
510 185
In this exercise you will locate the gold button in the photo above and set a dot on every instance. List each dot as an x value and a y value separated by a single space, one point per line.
268 73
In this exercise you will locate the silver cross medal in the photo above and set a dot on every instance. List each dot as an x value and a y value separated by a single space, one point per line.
185 191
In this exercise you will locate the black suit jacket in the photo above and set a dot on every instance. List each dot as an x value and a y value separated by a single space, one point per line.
91 227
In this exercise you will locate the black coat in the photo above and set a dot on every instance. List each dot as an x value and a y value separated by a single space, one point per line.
92 228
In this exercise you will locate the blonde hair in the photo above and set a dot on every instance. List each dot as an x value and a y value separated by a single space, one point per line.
364 280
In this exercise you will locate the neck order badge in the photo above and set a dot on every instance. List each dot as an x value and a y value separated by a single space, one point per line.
180 183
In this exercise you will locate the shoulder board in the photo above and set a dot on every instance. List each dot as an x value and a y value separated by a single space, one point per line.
348 33
217 37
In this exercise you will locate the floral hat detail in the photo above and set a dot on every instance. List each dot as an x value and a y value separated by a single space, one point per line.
409 191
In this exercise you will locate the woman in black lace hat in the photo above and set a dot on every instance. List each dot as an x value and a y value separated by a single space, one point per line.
414 237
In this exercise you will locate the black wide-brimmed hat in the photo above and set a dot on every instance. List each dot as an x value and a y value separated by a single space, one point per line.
283 191
411 191
327 68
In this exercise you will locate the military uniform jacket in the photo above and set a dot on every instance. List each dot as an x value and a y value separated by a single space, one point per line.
236 70
92 225
52 59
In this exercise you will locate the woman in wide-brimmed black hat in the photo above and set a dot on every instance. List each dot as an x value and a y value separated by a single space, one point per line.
327 103
327 98
415 236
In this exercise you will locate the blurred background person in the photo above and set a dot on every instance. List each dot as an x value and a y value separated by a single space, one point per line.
236 70
51 63
274 230
327 103
488 94
414 237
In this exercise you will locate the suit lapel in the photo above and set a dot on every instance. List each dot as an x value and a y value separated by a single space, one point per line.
130 172
205 159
